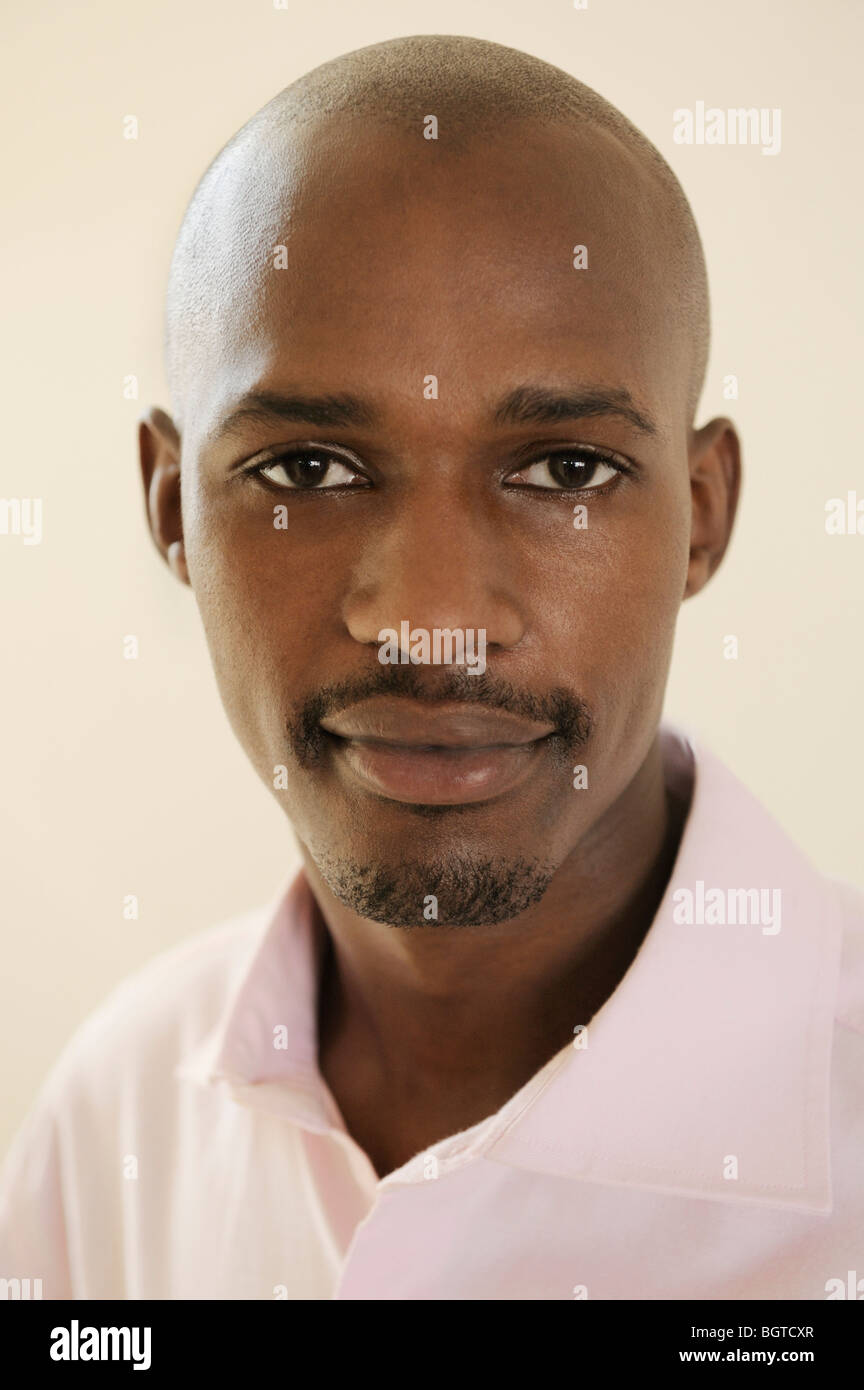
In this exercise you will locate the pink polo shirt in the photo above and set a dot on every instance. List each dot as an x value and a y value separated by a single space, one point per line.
703 1138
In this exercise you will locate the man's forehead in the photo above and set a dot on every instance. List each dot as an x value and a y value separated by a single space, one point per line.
509 365
361 243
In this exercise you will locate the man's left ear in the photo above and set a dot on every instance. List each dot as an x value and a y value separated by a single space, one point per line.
715 481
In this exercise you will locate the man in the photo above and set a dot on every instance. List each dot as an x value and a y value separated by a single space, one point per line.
554 1009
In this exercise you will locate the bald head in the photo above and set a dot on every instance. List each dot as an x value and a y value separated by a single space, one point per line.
478 92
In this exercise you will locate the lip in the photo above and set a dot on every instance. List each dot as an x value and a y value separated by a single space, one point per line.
433 776
444 755
414 725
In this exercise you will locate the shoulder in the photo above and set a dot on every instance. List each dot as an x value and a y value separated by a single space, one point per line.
156 1016
745 840
111 1098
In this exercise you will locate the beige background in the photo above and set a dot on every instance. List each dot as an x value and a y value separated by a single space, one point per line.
122 776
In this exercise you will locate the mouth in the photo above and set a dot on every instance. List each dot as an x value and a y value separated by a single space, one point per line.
435 756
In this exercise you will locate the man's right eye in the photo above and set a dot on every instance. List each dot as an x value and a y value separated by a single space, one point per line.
307 472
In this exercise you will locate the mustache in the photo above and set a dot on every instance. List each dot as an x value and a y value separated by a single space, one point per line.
571 716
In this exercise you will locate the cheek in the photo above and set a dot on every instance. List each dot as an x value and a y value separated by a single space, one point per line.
266 612
613 594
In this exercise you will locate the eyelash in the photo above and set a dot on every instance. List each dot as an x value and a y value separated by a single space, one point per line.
599 456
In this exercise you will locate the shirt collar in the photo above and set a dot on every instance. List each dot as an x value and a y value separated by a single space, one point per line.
706 1072
264 1049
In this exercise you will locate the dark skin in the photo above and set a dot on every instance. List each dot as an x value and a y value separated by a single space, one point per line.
401 265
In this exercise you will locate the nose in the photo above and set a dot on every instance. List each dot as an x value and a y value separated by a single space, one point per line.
437 564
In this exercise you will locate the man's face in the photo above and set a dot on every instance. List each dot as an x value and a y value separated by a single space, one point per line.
404 262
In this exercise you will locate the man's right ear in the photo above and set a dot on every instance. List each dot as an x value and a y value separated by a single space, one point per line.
159 450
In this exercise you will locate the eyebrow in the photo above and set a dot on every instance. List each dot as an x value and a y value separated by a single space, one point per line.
542 405
522 406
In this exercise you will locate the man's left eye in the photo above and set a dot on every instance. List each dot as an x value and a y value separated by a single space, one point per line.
574 470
